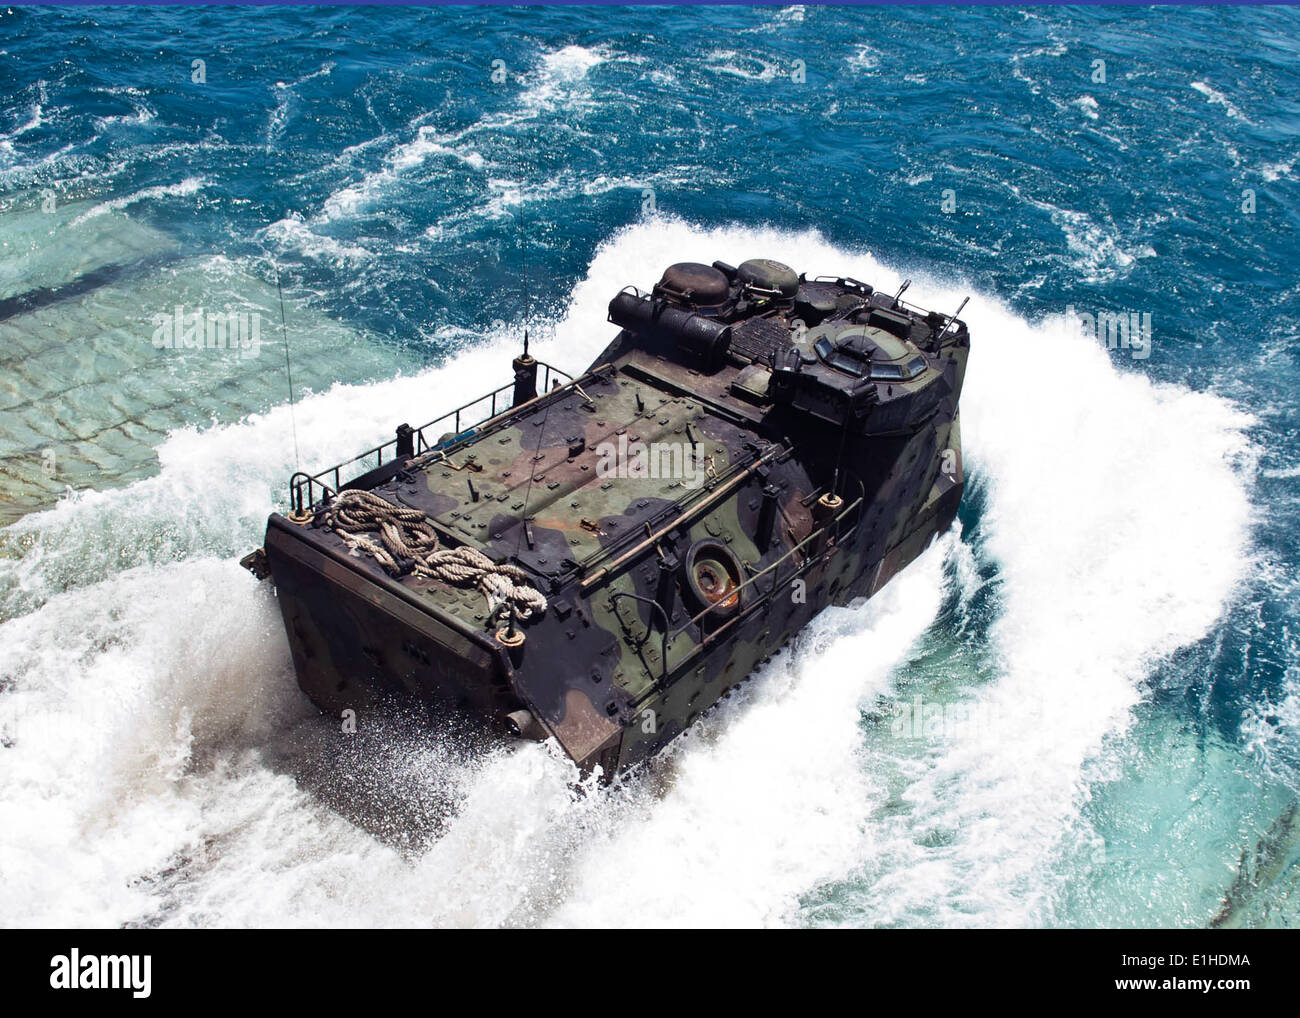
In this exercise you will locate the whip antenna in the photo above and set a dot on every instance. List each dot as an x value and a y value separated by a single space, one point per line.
288 370
525 295
541 431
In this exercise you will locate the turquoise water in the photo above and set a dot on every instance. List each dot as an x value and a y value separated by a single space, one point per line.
1105 656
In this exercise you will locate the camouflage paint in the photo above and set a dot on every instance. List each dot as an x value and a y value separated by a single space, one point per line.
529 486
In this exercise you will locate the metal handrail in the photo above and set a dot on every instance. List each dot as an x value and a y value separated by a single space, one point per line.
302 481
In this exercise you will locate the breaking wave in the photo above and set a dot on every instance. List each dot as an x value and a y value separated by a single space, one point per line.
160 762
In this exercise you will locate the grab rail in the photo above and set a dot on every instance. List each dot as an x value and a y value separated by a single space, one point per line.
303 486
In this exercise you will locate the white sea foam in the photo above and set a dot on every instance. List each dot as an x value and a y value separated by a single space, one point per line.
1097 252
571 63
142 113
864 58
35 118
1054 49
737 65
294 233
766 798
558 80
1276 171
1098 523
355 198
1282 472
188 186
1087 105
1217 98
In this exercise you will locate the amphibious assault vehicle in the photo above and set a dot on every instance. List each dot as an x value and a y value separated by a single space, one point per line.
598 559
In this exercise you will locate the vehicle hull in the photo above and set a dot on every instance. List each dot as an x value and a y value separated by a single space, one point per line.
791 479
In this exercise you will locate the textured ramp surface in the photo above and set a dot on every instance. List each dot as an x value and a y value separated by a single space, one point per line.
86 393
45 250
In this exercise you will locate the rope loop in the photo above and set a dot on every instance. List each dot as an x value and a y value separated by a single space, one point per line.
409 544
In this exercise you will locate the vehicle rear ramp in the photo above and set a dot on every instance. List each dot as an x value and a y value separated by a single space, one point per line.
112 335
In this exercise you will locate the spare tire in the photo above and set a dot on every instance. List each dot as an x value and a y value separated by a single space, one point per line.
765 274
714 575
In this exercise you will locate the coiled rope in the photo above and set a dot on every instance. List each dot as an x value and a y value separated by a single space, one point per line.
408 544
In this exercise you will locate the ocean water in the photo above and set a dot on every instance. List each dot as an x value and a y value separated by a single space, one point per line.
1081 708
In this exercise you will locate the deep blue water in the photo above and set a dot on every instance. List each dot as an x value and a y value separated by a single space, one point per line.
371 158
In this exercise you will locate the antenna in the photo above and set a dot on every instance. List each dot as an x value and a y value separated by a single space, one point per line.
525 366
288 370
541 431
525 295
